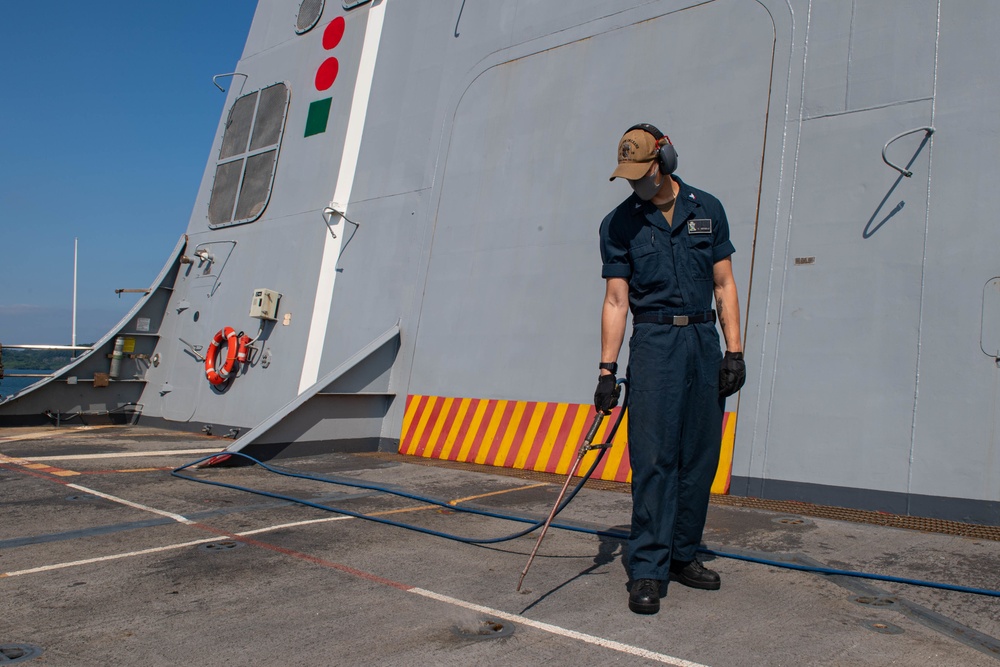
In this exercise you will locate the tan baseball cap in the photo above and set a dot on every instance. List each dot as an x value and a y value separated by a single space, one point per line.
636 151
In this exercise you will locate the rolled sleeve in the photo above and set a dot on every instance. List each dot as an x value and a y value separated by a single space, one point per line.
723 247
614 253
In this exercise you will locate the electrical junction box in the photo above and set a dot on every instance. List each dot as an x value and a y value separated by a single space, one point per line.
264 305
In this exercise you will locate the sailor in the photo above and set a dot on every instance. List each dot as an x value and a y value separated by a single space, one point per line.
666 253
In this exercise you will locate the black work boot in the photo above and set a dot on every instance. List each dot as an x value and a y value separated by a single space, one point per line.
695 575
645 596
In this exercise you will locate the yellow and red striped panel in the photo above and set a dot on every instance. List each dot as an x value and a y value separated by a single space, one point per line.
525 435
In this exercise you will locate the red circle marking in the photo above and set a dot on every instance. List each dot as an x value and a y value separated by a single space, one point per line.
333 33
327 73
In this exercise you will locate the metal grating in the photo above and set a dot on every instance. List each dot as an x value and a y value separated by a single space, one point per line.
308 16
248 156
270 117
227 182
924 524
256 185
234 141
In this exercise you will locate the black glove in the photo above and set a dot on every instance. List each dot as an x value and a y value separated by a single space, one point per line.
732 374
606 396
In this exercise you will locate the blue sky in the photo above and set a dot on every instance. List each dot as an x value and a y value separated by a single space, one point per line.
107 118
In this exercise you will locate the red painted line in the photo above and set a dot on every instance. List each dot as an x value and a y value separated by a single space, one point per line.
429 428
248 540
33 473
500 433
543 430
477 441
446 428
108 472
559 446
624 467
610 420
522 429
407 436
306 557
463 429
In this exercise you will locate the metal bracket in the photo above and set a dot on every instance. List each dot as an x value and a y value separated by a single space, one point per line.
905 172
195 349
328 214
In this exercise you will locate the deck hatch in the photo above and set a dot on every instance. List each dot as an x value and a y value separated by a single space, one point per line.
248 156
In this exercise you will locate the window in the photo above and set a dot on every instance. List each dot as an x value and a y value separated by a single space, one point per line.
308 16
248 157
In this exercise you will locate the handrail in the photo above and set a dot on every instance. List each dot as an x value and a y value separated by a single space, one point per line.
215 79
905 172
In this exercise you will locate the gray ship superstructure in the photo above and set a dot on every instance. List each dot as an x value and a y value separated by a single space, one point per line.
400 210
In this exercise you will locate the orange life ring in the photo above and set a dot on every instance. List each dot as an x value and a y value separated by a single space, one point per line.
233 345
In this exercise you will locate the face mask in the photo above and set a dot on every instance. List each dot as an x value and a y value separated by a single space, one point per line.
647 186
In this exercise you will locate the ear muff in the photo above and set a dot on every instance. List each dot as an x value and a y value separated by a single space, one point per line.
667 154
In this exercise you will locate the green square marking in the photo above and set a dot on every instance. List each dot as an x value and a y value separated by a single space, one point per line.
319 114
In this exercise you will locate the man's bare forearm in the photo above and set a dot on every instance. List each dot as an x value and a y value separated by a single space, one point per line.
727 304
613 317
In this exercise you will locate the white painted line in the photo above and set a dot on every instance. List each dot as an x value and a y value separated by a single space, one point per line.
101 559
122 501
48 433
557 630
316 340
268 529
124 455
496 613
153 550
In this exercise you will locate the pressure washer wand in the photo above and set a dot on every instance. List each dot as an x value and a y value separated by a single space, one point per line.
584 448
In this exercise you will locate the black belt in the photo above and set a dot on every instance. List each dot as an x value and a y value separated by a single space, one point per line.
675 320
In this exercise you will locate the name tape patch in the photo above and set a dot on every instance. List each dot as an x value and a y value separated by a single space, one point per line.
700 226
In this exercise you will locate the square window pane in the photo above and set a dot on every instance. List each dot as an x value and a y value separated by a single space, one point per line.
234 141
227 179
270 116
256 185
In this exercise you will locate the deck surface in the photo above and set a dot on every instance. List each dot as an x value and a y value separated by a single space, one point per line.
107 559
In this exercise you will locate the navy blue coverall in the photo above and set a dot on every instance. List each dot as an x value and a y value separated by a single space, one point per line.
675 413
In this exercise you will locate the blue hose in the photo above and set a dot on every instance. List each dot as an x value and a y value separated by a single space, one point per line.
534 525
402 494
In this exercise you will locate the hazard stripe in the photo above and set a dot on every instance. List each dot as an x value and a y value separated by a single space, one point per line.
720 485
527 435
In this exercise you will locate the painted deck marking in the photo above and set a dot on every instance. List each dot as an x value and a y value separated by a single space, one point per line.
497 493
122 501
245 533
557 630
118 455
101 559
45 434
523 620
244 537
